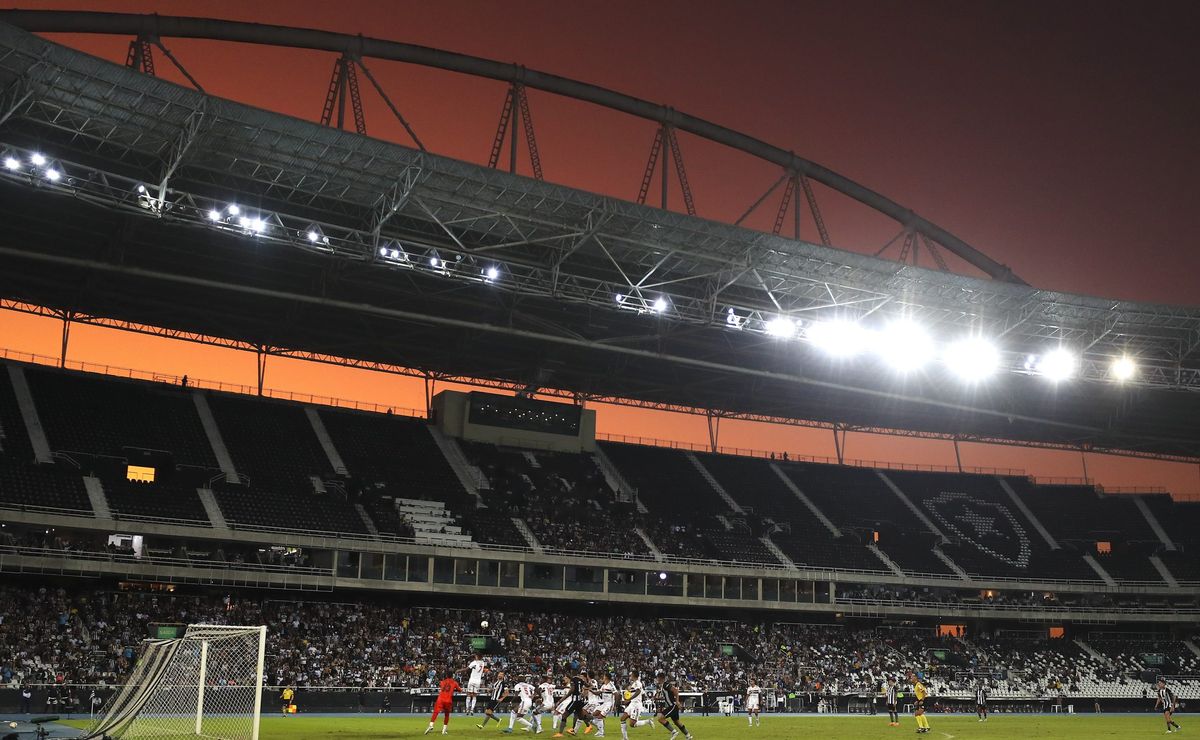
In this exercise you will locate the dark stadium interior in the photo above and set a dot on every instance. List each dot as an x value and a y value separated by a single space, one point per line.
360 551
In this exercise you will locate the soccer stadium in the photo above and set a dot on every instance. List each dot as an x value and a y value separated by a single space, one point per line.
925 489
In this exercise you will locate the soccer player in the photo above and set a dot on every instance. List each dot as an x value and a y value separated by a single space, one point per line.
546 691
890 700
499 694
578 694
607 694
669 706
1167 700
478 667
920 692
562 695
524 691
631 714
444 703
981 697
286 697
753 695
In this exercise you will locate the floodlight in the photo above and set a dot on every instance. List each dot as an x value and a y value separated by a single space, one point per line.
141 189
233 209
905 346
782 327
620 298
1124 368
840 338
395 254
493 272
12 163
972 359
1057 364
52 174
434 262
214 215
383 251
662 576
660 305
313 235
37 159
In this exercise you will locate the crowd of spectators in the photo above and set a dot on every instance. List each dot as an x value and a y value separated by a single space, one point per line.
54 636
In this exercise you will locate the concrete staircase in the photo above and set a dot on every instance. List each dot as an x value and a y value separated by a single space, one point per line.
366 520
432 524
331 453
29 415
1155 526
774 550
530 538
714 483
1167 576
1193 647
883 558
215 441
804 499
616 480
904 499
953 566
470 476
1100 571
1037 524
209 501
658 556
1092 651
96 497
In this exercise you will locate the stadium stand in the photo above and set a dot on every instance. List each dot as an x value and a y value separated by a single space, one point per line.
14 440
156 500
118 414
272 443
30 486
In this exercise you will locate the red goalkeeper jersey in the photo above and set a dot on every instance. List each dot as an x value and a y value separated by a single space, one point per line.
448 686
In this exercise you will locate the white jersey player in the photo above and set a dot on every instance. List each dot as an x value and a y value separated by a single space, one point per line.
753 699
634 705
477 667
524 691
605 697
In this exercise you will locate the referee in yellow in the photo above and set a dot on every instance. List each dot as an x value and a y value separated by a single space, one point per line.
286 696
920 692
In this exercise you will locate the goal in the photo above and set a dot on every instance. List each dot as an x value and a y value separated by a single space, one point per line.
207 683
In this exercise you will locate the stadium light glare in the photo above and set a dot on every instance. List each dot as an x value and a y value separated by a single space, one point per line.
1057 364
435 262
257 225
214 215
313 235
141 189
395 254
37 159
383 251
905 346
781 327
233 209
840 338
12 163
493 272
1124 368
660 305
620 298
52 175
972 359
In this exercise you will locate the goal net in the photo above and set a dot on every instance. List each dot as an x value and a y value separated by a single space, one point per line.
207 683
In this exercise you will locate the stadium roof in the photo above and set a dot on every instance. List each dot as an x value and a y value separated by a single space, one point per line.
343 246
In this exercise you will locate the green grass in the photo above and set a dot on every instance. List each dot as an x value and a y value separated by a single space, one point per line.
961 727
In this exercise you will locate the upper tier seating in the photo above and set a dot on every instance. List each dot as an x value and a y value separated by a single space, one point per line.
308 512
988 534
160 500
43 486
666 481
272 443
100 416
14 440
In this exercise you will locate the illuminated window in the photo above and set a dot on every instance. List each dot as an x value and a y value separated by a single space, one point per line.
140 474
952 630
1057 633
1104 547
875 536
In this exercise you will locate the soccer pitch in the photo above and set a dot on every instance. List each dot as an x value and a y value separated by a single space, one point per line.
832 727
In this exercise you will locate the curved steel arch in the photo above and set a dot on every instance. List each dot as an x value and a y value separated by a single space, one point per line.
155 26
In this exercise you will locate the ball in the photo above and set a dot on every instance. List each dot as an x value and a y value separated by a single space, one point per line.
12 725
627 695
484 624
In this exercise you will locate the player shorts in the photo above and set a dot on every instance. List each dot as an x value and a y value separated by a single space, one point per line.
442 706
752 704
525 706
604 708
634 709
982 706
892 708
474 686
670 711
561 707
575 707
493 705
919 704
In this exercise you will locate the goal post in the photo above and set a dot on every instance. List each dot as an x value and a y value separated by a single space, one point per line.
206 684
